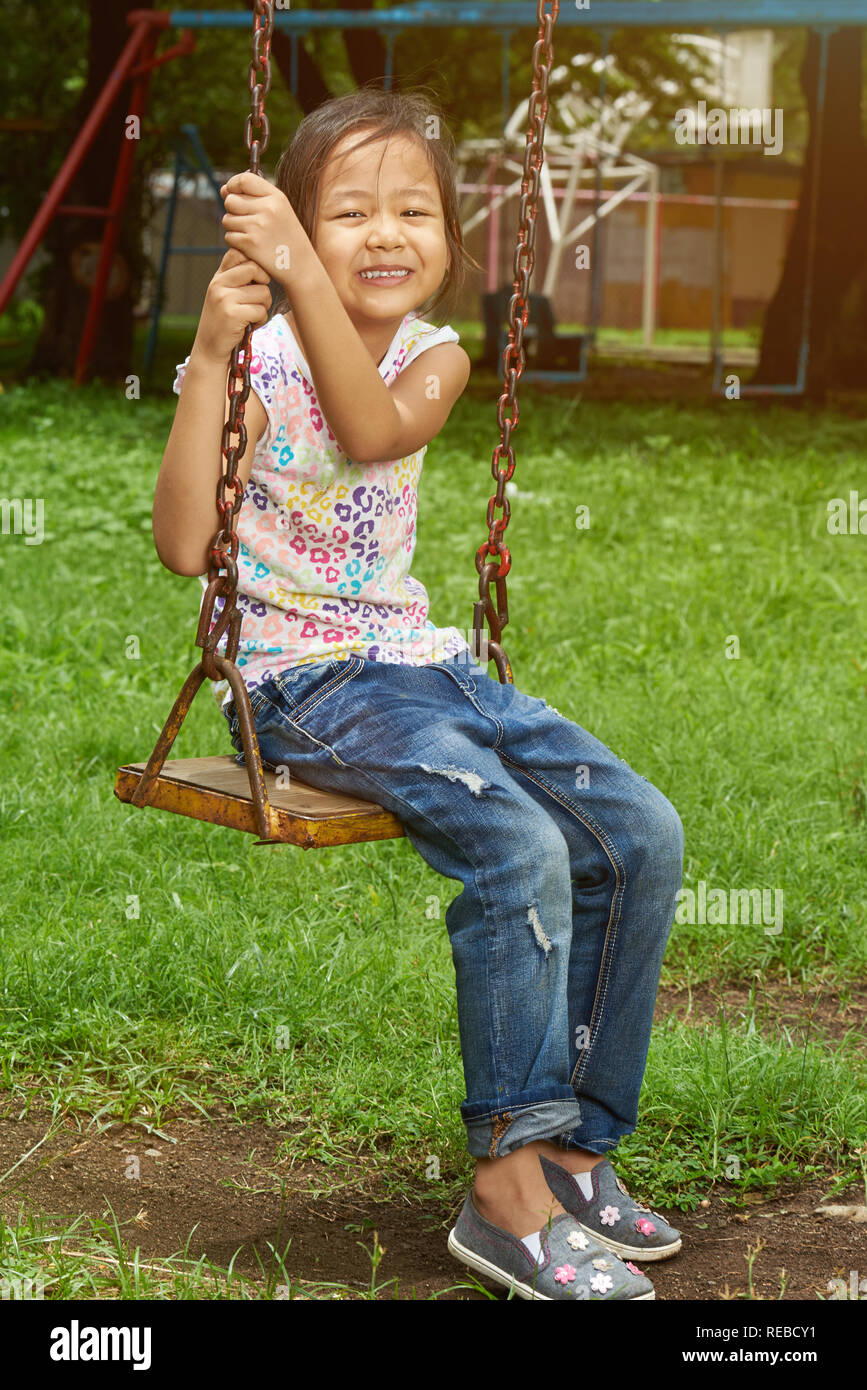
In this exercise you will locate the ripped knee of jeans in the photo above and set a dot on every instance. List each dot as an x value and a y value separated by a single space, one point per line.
539 932
472 780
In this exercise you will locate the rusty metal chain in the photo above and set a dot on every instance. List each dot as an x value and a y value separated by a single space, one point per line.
224 549
514 356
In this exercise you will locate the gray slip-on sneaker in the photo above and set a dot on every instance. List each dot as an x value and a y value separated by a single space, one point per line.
570 1265
611 1216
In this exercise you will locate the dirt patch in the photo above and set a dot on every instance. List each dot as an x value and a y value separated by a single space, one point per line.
817 1013
223 1178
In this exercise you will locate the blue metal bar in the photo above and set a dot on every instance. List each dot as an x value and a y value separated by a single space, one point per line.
514 14
795 390
598 230
818 136
204 164
151 347
800 385
536 375
717 306
552 373
200 163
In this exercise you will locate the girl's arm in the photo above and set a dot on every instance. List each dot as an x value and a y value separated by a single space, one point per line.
370 421
185 516
424 394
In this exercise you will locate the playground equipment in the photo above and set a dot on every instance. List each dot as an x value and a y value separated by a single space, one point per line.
190 158
798 387
504 17
558 357
217 789
570 158
585 141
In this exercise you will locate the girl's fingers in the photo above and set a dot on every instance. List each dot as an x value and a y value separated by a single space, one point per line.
240 204
259 301
244 272
237 264
246 181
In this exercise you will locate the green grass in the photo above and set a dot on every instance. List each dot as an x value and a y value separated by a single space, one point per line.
79 1259
149 962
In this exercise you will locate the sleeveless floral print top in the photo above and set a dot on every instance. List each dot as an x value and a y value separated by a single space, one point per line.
325 544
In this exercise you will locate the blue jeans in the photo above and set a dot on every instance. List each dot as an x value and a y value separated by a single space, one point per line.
570 864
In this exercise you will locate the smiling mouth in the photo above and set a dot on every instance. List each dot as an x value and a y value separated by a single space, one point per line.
384 277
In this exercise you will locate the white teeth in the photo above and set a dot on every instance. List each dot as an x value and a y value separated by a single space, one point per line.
384 274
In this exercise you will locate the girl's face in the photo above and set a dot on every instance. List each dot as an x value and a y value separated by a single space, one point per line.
380 209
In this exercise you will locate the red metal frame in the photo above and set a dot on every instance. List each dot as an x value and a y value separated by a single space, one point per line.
135 64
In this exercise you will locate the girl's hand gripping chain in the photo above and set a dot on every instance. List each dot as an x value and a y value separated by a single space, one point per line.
260 222
237 295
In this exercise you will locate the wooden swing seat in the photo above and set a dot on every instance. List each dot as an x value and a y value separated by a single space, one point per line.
218 790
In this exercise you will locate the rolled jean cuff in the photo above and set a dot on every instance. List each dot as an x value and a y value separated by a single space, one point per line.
598 1132
493 1131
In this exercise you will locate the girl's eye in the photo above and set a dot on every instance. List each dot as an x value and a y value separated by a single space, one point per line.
417 212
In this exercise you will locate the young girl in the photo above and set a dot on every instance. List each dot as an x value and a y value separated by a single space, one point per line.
570 862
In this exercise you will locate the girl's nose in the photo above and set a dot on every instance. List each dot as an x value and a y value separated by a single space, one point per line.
384 224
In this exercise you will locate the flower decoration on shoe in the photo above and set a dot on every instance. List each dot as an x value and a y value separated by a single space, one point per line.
565 1274
645 1227
609 1216
634 1268
601 1283
577 1240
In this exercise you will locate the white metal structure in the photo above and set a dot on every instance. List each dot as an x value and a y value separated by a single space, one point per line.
585 144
